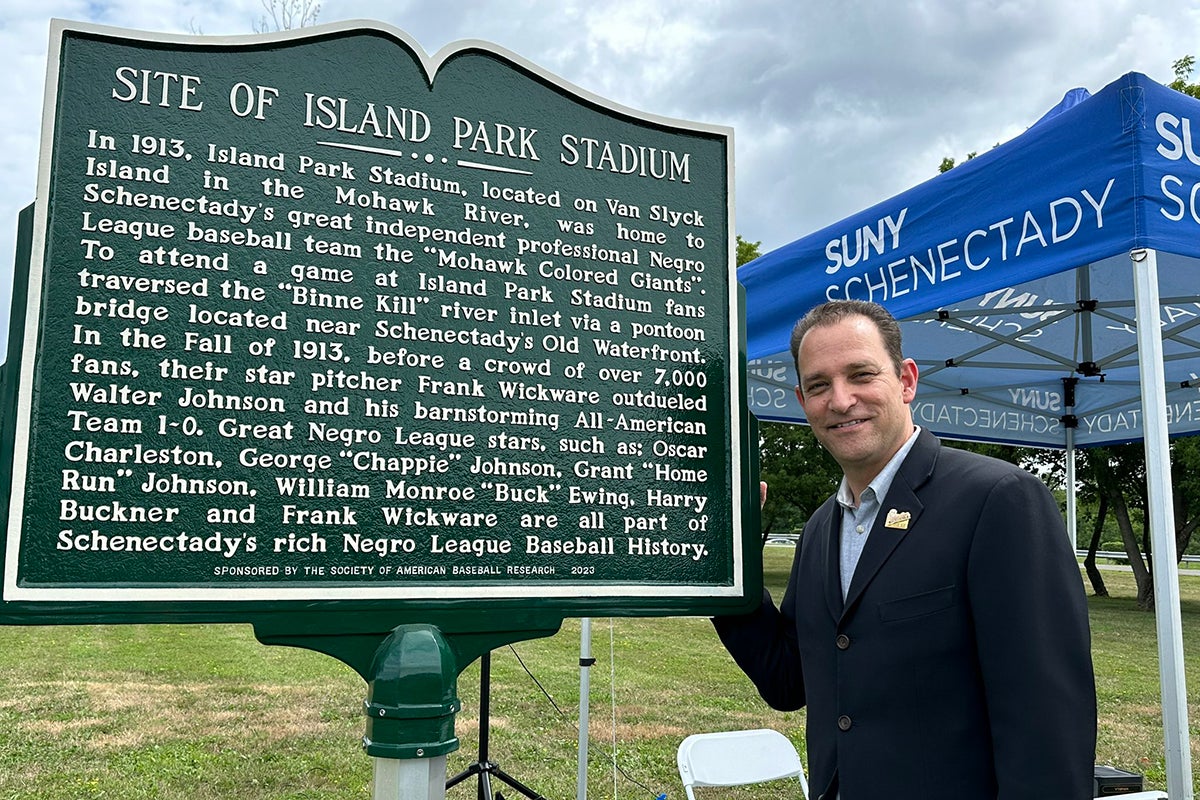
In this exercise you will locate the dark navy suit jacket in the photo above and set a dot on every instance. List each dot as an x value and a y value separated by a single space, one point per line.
959 666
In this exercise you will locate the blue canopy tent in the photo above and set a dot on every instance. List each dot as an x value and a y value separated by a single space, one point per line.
1028 281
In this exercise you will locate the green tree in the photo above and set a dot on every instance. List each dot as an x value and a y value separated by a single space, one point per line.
1185 478
747 251
1113 481
949 163
1183 72
1112 495
799 472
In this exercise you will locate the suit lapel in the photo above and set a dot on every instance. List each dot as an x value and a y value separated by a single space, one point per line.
831 537
901 497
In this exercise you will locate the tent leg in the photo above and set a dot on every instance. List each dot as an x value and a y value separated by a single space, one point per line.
585 665
1162 525
1072 521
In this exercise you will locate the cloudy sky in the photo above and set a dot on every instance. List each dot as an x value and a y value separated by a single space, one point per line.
835 104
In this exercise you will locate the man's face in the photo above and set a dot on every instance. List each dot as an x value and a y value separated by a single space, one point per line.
855 402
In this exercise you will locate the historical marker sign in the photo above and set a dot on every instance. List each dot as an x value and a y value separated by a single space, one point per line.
315 318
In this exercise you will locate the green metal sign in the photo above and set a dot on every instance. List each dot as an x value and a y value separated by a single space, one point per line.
316 323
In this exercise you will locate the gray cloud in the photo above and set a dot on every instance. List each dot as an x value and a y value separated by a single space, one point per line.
835 105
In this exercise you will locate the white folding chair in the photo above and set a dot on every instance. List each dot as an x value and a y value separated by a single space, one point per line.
738 758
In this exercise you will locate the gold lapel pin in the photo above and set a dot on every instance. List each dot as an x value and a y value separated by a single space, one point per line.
897 519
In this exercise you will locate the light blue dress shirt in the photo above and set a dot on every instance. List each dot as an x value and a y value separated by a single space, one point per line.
857 519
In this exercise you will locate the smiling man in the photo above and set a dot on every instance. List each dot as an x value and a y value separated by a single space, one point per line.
934 623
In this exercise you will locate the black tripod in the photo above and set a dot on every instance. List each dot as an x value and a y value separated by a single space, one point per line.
482 767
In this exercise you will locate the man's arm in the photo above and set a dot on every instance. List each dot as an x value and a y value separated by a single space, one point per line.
1034 644
763 644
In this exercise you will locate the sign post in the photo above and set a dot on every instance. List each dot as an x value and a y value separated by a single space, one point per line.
323 334
410 707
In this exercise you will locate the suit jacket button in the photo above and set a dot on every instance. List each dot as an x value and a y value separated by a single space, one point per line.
844 722
842 642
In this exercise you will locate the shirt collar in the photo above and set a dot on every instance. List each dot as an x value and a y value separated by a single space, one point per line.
882 482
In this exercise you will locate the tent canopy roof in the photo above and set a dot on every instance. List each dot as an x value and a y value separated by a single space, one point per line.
1011 274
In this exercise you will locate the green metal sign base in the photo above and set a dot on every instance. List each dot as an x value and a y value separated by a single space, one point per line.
359 651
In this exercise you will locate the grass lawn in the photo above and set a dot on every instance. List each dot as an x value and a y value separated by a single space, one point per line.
199 712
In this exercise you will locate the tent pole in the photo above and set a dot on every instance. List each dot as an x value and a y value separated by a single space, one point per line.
1072 523
1070 421
585 682
1162 524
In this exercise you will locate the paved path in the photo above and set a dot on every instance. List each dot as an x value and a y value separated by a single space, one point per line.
1189 572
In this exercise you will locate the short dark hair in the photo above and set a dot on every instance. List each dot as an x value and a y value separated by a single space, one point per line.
837 310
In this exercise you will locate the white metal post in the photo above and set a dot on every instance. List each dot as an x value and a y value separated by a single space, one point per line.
409 779
585 684
1162 524
1072 522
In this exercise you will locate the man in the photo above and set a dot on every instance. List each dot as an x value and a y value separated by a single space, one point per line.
934 622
